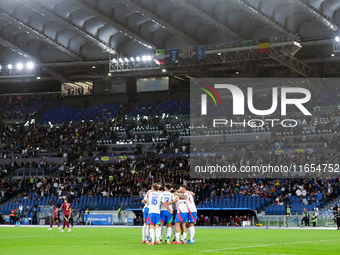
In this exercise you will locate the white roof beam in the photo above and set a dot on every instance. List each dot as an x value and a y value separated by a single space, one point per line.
316 14
51 42
160 21
35 6
120 27
254 12
207 18
14 48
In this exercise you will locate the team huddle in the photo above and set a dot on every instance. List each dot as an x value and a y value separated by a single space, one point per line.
66 207
164 207
172 209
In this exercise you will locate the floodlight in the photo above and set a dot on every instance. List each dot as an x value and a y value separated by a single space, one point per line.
30 65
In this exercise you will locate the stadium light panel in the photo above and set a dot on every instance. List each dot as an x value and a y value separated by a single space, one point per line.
337 39
38 78
333 55
126 60
163 70
144 58
149 58
120 60
0 67
109 74
132 59
138 58
10 66
19 66
114 60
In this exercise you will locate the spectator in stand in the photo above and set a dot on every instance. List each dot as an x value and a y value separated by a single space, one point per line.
298 192
286 200
278 201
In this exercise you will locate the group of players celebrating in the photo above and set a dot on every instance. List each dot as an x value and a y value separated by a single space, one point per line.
171 208
66 207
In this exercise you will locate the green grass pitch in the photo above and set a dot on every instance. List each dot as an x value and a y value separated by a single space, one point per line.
101 241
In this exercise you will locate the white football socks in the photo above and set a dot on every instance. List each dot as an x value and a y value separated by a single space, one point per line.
158 234
152 235
191 232
177 236
184 237
147 232
143 233
168 233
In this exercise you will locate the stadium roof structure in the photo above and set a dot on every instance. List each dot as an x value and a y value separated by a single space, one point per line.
77 39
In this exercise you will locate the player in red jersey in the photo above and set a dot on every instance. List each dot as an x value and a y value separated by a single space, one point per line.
55 217
66 212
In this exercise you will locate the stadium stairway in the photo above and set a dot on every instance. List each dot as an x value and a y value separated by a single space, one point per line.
326 211
296 207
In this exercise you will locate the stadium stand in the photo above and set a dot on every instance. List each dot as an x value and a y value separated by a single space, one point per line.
101 129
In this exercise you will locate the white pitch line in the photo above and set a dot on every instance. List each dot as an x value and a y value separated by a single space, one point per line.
270 244
236 252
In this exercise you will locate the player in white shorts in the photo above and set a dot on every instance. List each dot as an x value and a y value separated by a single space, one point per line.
146 225
181 219
155 199
166 217
174 211
192 211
